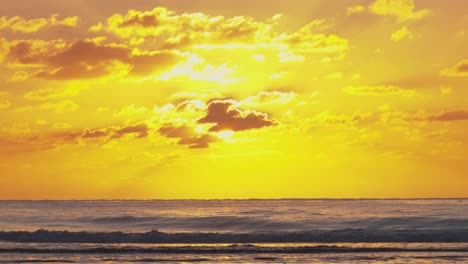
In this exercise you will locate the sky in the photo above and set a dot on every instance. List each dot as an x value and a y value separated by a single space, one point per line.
160 99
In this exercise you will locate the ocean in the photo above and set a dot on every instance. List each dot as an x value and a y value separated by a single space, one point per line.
235 231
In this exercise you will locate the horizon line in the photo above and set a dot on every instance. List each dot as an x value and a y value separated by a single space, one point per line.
239 199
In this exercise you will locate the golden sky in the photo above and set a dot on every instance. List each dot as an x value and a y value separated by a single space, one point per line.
233 99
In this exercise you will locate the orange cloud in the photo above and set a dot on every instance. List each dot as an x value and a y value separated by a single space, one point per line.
459 70
86 59
184 29
450 116
307 39
226 116
95 133
140 130
404 10
187 136
23 25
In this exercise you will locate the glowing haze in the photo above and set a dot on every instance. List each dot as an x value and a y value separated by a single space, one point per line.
233 99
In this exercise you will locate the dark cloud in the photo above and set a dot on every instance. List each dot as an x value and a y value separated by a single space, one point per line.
187 136
140 130
199 142
94 134
461 69
89 53
227 117
177 132
462 66
85 60
152 62
21 51
450 116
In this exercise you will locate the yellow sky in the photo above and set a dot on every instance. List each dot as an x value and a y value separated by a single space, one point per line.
233 99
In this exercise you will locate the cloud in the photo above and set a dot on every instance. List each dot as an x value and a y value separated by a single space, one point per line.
459 70
379 90
95 133
450 116
188 136
20 24
401 34
404 10
86 59
165 29
185 29
332 119
44 94
269 98
226 116
61 107
131 111
68 21
307 39
140 130
183 121
19 76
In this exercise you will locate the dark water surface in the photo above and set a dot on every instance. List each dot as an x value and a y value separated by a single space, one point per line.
235 231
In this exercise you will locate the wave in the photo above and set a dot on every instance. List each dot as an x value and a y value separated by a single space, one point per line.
204 222
312 236
228 249
265 223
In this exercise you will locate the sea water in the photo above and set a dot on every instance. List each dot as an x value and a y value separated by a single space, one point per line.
235 231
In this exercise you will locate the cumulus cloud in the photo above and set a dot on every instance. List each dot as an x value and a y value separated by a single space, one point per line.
85 59
459 70
23 25
403 10
184 29
379 90
308 39
188 136
226 116
165 29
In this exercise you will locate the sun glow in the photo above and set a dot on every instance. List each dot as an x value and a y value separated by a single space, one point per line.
226 134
